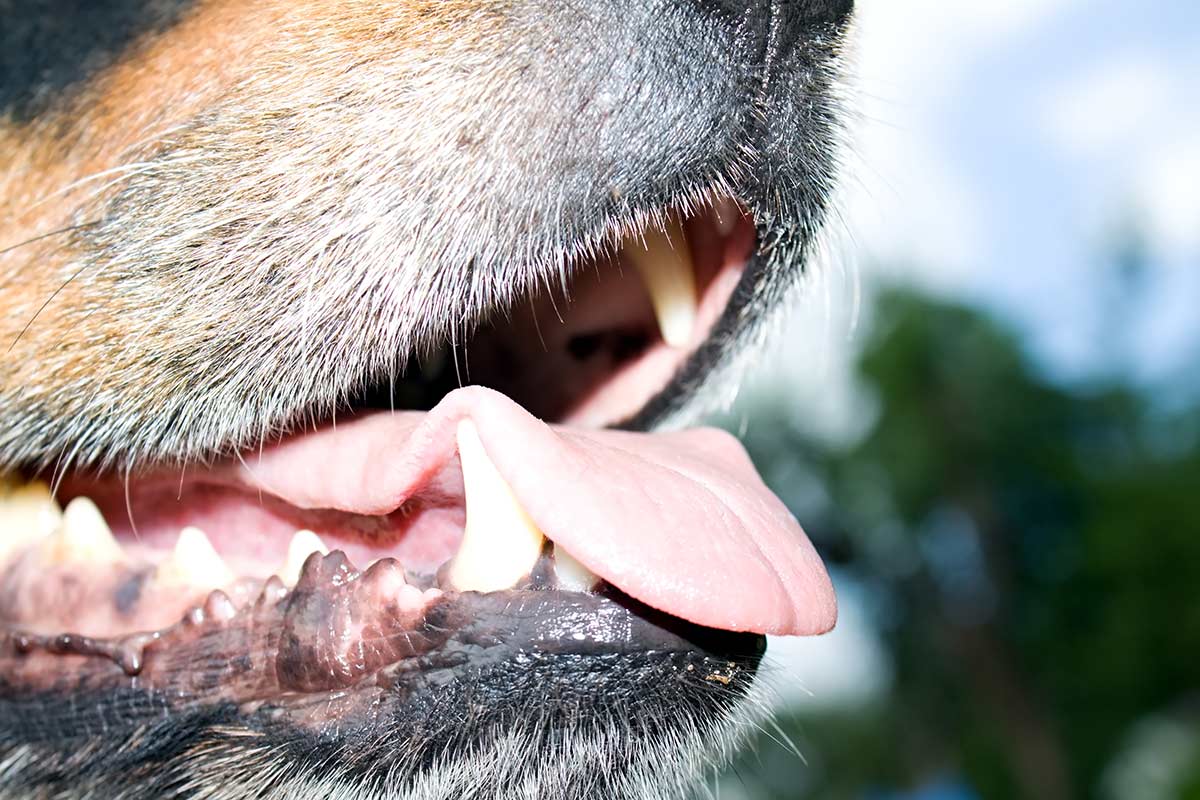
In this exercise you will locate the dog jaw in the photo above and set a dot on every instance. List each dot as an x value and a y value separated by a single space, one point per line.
229 221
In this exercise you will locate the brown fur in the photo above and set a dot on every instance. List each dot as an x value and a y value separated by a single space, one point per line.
65 321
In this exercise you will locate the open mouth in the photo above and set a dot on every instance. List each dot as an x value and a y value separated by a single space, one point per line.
390 538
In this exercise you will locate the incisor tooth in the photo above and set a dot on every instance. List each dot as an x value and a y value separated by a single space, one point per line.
501 544
572 575
664 260
194 562
83 536
303 545
27 514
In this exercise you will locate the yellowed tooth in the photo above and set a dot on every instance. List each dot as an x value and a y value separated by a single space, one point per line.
501 544
194 562
664 260
572 575
28 513
82 537
303 545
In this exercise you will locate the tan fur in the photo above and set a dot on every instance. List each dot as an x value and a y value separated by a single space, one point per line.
63 321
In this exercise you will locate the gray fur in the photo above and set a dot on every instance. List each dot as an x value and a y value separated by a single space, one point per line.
621 751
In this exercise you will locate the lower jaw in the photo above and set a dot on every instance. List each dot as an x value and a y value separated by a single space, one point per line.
350 678
331 650
319 683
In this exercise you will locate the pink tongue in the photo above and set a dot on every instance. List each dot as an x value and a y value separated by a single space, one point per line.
679 521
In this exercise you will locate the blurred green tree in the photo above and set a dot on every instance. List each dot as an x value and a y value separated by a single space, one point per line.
1034 551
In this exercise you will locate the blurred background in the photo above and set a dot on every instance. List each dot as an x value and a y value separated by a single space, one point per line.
986 413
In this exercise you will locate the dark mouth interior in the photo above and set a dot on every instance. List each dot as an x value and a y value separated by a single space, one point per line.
557 346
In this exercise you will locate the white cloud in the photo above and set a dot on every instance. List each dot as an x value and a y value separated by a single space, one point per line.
1169 193
1116 106
1132 125
904 202
916 40
909 206
1004 21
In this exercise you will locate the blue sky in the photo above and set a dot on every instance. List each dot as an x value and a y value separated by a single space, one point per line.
999 146
1002 144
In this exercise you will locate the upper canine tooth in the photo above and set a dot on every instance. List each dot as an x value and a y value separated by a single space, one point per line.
664 260
83 536
572 575
195 562
500 544
303 545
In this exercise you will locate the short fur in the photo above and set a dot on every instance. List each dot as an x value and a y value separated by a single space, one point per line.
221 218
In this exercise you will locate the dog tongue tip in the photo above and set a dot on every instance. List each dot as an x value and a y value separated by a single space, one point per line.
680 521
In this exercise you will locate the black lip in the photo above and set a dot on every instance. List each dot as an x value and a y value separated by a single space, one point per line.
544 663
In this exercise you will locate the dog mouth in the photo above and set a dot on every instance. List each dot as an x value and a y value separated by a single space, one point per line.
489 493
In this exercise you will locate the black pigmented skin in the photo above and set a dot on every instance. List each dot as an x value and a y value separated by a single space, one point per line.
52 46
487 665
569 662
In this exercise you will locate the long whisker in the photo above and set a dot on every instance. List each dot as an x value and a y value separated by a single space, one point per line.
42 236
44 305
129 506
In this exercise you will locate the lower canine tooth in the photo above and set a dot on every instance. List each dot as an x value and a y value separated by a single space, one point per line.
194 562
572 575
303 545
501 544
664 260
83 536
